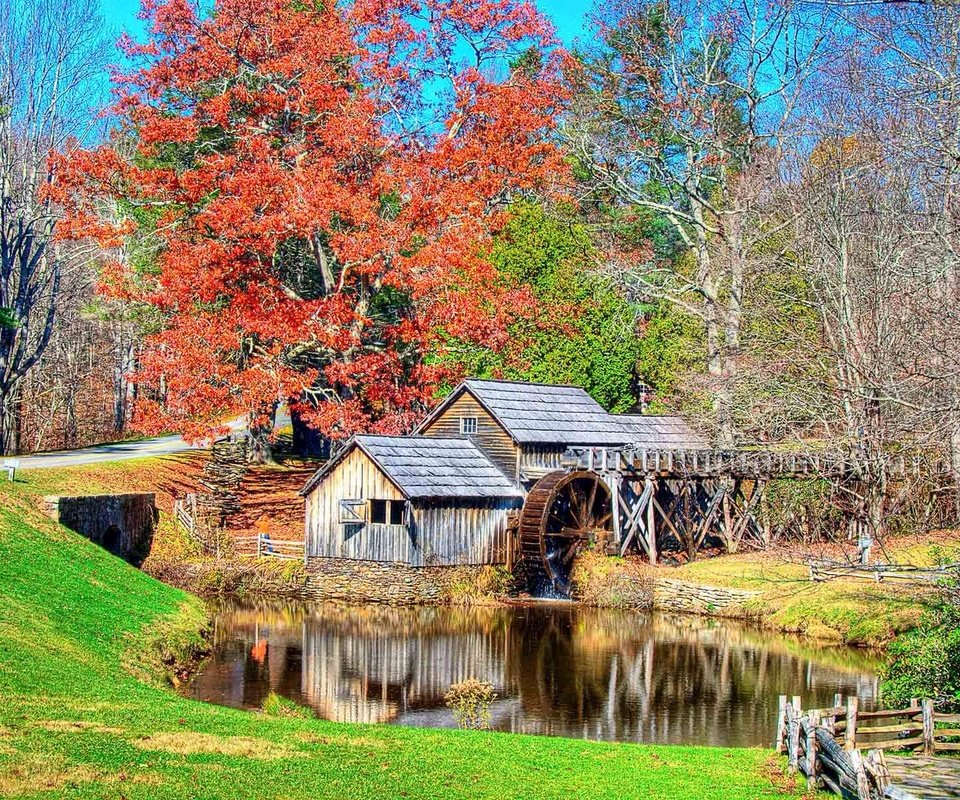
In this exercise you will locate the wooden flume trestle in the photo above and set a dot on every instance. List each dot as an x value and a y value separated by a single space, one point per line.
687 497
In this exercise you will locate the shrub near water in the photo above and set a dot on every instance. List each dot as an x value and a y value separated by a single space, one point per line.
925 662
276 706
470 702
611 582
472 586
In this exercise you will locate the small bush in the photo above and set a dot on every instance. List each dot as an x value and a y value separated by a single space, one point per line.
472 586
470 702
276 706
611 582
925 662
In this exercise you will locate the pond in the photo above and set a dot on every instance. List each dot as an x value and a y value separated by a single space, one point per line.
557 669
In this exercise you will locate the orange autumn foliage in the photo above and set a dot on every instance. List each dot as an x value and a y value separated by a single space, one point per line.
301 193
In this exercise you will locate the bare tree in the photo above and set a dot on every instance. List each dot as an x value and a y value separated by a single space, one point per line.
52 59
918 84
683 109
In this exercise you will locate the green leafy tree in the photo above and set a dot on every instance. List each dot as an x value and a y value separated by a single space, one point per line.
586 333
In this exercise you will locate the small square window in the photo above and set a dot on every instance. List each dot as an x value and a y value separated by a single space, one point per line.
468 425
397 509
378 512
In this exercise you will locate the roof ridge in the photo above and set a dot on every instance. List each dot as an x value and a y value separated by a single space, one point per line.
414 436
525 383
646 416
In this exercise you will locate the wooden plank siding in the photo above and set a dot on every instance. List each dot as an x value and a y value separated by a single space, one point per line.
490 437
463 533
541 456
355 478
441 532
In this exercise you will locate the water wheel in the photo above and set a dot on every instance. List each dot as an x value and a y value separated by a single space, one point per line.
563 513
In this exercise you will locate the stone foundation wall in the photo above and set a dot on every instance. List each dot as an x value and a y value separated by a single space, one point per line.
673 595
398 584
395 584
120 523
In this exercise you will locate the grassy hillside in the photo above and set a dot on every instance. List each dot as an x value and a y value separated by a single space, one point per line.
852 612
83 638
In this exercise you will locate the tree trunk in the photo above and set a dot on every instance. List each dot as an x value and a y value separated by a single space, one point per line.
306 440
9 422
733 314
260 437
955 467
122 389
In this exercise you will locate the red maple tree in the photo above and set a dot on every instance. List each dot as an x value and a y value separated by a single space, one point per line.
299 196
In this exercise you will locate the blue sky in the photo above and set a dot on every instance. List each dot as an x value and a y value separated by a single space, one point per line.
567 15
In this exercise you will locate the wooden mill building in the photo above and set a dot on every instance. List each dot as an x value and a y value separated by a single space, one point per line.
446 494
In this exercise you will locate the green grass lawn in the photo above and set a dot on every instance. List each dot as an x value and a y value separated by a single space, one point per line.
82 712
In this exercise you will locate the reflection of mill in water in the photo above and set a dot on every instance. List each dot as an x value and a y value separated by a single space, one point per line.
563 670
557 669
378 664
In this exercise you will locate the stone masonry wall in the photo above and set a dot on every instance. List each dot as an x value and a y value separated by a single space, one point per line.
375 582
120 523
398 584
674 595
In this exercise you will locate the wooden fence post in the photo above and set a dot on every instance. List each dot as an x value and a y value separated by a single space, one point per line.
928 746
259 545
863 786
793 735
813 722
779 745
850 732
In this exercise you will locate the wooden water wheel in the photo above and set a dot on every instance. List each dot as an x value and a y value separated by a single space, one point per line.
563 513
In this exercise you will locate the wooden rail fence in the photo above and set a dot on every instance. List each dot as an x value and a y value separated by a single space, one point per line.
263 546
185 512
905 574
190 514
706 462
825 744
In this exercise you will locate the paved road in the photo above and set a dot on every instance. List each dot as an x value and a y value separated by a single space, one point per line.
119 451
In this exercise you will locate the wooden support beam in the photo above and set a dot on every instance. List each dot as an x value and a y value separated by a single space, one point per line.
651 523
633 524
712 510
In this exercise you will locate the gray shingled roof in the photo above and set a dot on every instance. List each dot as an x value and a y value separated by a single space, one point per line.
544 414
660 432
425 467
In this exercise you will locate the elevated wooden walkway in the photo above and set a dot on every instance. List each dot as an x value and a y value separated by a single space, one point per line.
694 495
923 777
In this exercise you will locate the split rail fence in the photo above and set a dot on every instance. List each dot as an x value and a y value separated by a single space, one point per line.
904 574
190 513
825 744
263 546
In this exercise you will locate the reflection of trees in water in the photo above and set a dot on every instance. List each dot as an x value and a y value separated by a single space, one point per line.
254 655
556 669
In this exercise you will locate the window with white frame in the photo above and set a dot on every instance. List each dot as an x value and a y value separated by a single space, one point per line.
468 426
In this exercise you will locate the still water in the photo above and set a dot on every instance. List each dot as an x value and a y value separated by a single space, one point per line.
557 669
